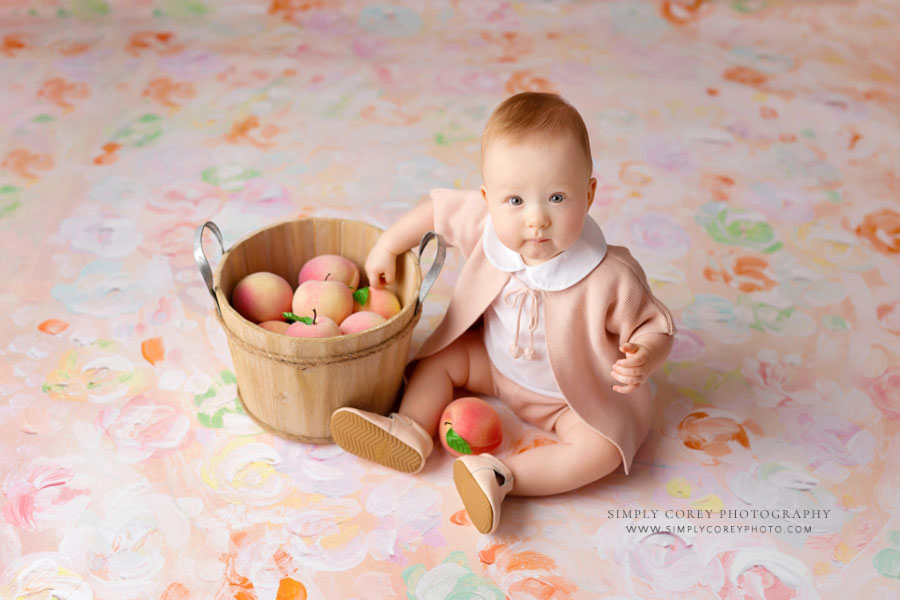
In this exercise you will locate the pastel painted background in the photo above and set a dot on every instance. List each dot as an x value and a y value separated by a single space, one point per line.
747 154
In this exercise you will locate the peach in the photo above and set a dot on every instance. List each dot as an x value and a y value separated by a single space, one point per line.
470 426
262 296
318 327
331 299
330 267
276 326
378 300
360 321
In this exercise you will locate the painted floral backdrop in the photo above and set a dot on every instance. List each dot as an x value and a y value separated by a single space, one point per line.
747 155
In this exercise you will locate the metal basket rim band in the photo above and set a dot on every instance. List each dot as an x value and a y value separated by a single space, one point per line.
417 314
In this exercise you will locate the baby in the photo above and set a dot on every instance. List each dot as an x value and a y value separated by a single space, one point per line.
592 332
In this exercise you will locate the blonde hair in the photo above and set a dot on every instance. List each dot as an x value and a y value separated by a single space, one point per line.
540 113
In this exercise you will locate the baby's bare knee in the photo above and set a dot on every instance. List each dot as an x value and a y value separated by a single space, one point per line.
454 360
599 456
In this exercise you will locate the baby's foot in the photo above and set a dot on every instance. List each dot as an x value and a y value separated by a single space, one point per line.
397 442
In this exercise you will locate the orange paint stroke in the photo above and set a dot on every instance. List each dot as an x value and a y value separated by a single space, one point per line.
881 229
712 435
536 584
767 112
283 561
746 273
161 42
153 350
68 48
23 163
460 517
389 115
236 585
488 556
545 588
109 154
288 589
165 91
877 95
679 12
12 43
53 326
246 131
889 316
512 44
288 9
176 591
60 92
719 186
526 81
529 561
746 76
635 174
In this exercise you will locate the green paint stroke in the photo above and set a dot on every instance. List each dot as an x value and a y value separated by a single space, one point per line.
894 538
211 414
423 584
231 178
89 8
835 323
887 562
185 8
10 200
734 227
140 131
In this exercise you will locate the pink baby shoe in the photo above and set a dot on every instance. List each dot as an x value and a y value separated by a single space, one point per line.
397 442
476 482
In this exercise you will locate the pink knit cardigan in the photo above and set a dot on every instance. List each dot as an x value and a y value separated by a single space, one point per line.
585 324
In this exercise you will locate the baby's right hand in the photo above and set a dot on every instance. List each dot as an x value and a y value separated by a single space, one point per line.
381 266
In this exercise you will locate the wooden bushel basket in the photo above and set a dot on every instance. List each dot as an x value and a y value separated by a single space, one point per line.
288 385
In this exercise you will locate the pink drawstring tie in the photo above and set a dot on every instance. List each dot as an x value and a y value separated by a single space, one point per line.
519 296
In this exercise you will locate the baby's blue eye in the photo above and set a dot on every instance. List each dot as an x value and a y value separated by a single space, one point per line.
515 200
557 198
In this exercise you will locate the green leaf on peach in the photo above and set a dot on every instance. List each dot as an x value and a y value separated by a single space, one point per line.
361 296
457 443
291 317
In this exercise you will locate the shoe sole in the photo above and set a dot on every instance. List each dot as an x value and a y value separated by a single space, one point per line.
358 436
478 507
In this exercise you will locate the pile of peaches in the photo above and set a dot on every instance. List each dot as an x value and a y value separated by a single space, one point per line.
325 304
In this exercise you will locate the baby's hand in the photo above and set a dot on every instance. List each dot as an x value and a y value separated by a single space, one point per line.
381 267
631 370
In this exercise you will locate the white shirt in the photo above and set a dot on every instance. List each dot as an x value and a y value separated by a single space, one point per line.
518 310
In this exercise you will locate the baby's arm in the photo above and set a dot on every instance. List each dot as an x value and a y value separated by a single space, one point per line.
643 356
381 264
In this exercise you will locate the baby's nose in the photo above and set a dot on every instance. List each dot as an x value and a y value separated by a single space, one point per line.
538 219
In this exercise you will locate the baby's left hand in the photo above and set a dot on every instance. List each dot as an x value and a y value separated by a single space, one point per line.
631 370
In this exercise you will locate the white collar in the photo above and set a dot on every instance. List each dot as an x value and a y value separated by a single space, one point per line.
560 272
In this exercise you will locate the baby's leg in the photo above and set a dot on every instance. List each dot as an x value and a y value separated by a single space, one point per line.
462 364
582 456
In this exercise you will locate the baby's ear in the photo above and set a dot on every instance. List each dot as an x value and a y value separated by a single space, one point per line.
592 187
484 194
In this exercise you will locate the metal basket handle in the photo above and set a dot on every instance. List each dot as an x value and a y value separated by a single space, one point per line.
202 263
436 266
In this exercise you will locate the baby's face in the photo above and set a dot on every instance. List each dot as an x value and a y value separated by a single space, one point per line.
538 192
